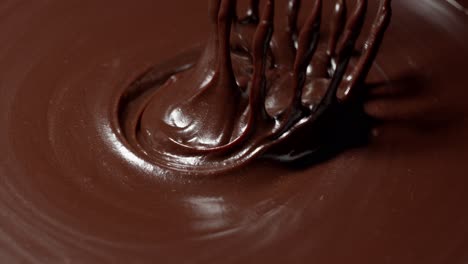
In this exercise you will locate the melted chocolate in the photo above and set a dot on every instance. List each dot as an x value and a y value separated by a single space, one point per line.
74 188
214 116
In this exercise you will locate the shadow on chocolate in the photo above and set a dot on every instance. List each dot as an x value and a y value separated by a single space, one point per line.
351 126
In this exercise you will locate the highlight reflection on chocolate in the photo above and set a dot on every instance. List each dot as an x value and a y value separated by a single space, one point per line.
74 187
214 115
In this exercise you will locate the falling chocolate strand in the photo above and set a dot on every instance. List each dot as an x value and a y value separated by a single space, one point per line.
225 18
261 42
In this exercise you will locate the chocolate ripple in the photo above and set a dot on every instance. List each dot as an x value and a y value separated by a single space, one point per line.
73 190
256 85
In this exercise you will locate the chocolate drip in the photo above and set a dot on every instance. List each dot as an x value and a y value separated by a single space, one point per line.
81 183
225 112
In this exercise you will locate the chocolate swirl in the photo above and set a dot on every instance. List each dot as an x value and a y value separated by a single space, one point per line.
254 86
74 190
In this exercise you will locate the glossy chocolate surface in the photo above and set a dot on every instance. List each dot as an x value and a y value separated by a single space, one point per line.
257 89
73 191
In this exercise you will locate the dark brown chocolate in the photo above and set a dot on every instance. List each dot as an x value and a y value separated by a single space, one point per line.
222 113
74 189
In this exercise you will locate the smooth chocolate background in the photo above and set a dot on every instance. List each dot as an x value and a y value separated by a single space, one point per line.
71 192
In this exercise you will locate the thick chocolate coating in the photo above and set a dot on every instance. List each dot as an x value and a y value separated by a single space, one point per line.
255 86
72 191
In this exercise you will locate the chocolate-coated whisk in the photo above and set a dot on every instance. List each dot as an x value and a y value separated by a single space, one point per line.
305 65
223 119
